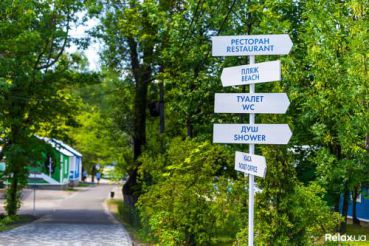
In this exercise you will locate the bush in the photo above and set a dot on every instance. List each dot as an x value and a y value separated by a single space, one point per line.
301 218
194 194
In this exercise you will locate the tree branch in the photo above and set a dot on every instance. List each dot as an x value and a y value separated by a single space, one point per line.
50 63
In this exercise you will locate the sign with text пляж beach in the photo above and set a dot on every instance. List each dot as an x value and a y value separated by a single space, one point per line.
251 74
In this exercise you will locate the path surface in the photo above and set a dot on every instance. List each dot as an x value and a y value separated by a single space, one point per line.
78 219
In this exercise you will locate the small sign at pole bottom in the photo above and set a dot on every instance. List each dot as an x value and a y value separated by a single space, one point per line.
250 164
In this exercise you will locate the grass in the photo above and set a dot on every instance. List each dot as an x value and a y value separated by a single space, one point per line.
71 189
353 229
81 184
130 220
11 222
357 230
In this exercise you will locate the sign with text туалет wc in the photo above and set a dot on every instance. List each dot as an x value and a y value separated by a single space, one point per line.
251 134
246 45
251 74
250 164
261 103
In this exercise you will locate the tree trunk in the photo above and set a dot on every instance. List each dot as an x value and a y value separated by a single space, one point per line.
355 195
346 196
337 203
131 191
142 75
15 168
12 201
129 194
93 173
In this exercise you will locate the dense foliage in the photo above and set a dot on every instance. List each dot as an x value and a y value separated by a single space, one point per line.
34 75
152 112
194 194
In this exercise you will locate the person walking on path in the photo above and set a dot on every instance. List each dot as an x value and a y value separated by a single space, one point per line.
84 175
98 176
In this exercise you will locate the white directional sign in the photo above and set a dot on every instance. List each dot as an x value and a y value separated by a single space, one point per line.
246 45
251 134
263 103
252 74
250 164
277 103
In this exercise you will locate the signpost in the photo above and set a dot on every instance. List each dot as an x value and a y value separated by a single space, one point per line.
250 45
261 103
276 103
251 74
250 164
251 177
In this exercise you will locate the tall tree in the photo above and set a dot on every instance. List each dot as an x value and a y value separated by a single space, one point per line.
335 94
130 33
134 32
34 73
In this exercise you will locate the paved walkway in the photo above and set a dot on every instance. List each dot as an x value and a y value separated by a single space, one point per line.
79 219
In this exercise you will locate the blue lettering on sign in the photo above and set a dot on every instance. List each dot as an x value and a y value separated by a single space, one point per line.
250 45
248 106
253 77
246 129
249 70
249 137
249 98
247 158
248 167
250 48
249 41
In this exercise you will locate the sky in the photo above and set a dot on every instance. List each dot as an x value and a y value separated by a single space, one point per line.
92 52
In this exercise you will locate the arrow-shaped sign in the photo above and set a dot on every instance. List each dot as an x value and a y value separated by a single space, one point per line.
251 164
263 103
274 44
252 74
251 134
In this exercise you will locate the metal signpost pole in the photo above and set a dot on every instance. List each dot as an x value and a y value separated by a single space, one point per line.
251 177
34 197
